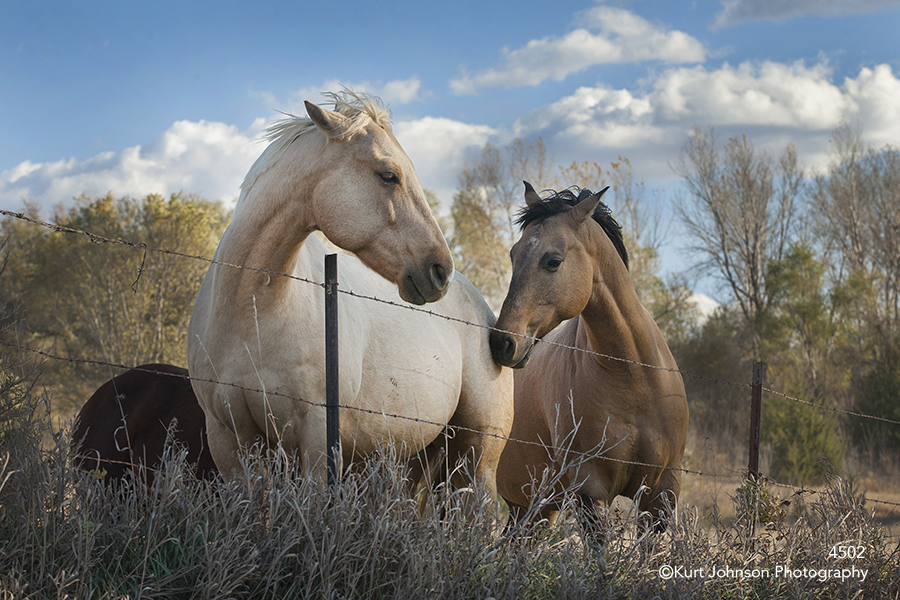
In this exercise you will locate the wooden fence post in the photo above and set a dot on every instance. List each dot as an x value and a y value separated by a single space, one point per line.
332 395
755 411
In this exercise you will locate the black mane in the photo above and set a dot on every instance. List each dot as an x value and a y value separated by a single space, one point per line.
560 202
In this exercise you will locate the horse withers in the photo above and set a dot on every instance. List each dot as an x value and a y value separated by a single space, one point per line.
126 423
604 378
256 340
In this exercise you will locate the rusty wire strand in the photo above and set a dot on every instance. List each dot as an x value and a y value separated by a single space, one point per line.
98 239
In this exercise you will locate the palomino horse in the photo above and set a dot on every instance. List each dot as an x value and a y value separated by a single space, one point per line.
571 263
126 422
404 374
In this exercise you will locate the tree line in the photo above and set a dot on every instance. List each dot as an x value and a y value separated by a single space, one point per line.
809 267
109 303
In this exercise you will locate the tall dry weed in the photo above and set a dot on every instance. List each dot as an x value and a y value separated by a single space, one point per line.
275 534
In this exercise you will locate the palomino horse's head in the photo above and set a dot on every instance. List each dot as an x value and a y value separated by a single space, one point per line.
358 186
554 266
369 201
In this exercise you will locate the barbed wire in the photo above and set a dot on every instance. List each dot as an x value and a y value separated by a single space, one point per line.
835 410
98 239
569 452
803 490
359 409
43 353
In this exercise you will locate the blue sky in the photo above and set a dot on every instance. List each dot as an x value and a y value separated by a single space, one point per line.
138 97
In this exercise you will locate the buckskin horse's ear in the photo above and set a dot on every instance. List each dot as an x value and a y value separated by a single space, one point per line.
531 196
584 209
329 121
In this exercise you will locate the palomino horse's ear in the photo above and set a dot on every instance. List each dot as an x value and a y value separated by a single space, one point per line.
584 209
531 196
329 121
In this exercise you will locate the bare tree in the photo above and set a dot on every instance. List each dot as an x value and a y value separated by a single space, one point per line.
856 214
484 209
740 209
585 174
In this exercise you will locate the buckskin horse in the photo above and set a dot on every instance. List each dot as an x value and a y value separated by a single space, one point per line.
606 376
404 374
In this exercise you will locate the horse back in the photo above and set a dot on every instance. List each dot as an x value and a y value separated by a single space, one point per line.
125 423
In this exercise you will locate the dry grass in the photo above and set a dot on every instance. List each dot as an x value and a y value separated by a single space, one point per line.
277 535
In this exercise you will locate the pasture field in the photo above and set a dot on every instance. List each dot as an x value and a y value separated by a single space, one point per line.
63 534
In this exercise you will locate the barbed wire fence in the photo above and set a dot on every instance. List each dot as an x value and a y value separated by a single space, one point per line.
145 248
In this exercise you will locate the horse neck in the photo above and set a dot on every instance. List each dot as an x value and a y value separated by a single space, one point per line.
614 322
271 226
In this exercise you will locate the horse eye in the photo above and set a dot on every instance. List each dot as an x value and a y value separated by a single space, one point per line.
552 263
389 177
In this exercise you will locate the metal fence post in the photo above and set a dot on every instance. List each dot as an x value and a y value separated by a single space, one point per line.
332 395
755 411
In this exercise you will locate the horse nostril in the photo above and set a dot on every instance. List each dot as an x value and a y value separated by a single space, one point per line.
503 347
438 276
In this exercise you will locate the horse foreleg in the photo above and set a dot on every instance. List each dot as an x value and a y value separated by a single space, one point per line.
661 498
479 430
224 447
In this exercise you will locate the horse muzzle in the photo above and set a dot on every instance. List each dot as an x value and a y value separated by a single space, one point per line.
418 287
510 350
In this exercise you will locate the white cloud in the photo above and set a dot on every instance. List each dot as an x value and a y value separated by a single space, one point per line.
704 305
401 91
211 159
774 103
439 147
605 117
621 37
203 157
770 94
874 96
741 11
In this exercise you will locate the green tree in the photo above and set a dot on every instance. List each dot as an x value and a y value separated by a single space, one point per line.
857 219
719 411
799 436
801 335
855 216
879 397
801 332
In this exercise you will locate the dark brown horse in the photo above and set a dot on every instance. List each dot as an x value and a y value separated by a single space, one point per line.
571 265
125 423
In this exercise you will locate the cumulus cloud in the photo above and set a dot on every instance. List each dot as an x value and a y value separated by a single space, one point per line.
741 11
770 94
206 158
439 147
773 102
607 35
211 159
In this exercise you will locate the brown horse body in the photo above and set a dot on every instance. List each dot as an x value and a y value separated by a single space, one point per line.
568 265
125 423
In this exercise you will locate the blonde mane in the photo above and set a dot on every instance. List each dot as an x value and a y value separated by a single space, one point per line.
359 107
